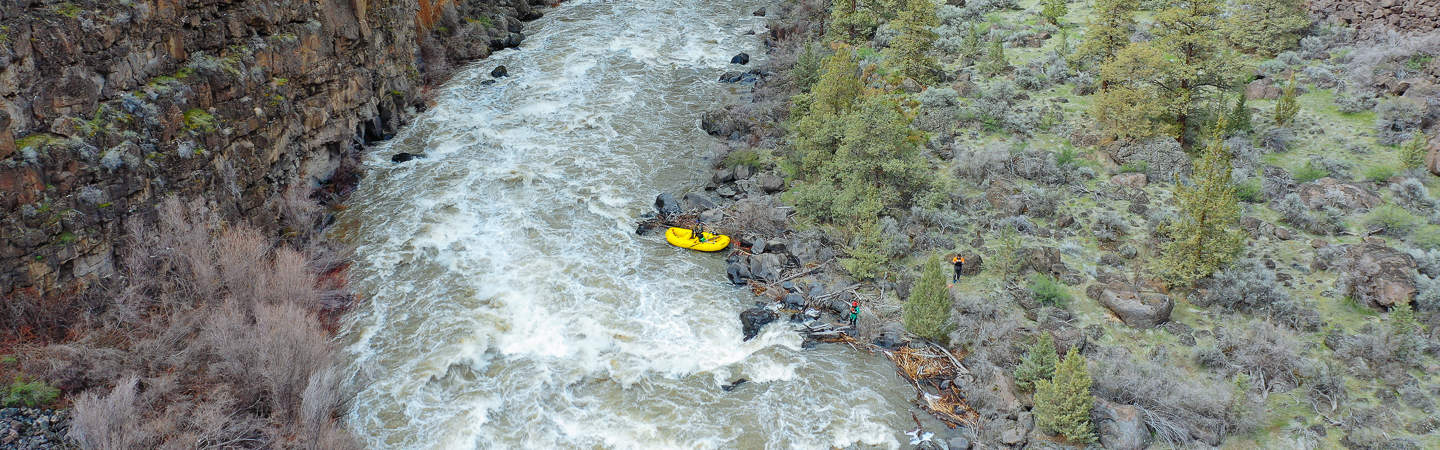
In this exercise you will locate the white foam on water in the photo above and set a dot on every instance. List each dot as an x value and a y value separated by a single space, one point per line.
510 303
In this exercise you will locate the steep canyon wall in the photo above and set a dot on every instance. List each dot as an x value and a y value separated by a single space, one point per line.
106 107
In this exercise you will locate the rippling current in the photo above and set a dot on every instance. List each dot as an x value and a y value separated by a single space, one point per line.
509 302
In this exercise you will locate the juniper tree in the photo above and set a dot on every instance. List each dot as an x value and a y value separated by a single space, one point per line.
911 50
1240 116
927 311
1412 154
1108 32
1288 106
816 128
850 22
995 61
1190 30
1038 363
1054 10
1063 403
1136 103
1204 236
1265 27
970 47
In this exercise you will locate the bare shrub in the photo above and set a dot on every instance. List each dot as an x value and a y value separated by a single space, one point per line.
1294 212
1172 399
109 421
1268 355
1109 226
1249 286
1413 195
760 215
1398 120
989 330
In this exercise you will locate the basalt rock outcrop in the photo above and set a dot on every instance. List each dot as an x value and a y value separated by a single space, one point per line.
108 107
1376 16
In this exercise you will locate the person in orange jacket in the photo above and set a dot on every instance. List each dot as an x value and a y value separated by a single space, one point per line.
959 262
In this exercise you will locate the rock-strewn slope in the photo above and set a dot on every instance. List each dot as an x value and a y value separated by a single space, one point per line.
1370 16
106 107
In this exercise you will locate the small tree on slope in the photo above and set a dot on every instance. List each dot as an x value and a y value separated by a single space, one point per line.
927 311
911 49
1205 235
1038 363
1063 403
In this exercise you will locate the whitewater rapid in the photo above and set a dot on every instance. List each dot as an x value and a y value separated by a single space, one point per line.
509 303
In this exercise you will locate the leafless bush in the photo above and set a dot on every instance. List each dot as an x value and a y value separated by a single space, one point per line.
1294 212
110 421
1249 286
1269 355
988 330
1377 351
1109 226
1387 53
761 215
1398 120
1413 195
1172 398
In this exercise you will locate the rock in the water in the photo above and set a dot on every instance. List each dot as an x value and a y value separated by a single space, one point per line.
499 72
696 201
734 384
1121 426
794 301
751 320
741 59
770 182
667 205
1137 309
1376 275
404 156
720 122
750 76
737 272
759 13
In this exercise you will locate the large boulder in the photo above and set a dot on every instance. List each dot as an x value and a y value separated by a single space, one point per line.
1262 89
1136 309
667 205
1337 194
1122 427
737 272
753 319
1044 260
721 122
696 201
766 267
1130 180
770 182
1376 275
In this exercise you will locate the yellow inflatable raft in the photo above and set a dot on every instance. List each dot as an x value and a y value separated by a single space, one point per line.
684 238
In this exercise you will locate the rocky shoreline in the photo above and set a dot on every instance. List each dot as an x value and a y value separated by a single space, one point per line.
25 428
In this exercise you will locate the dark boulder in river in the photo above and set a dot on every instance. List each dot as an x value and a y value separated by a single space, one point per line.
737 272
499 72
403 156
751 320
741 59
667 205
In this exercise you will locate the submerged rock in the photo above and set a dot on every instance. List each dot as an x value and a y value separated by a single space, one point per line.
404 156
741 59
753 319
667 205
499 72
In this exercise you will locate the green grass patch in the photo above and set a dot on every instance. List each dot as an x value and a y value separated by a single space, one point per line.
197 119
482 21
68 9
1310 172
1135 167
9 360
1392 218
66 238
1379 174
29 394
1048 291
1426 237
37 141
1249 191
748 158
1353 306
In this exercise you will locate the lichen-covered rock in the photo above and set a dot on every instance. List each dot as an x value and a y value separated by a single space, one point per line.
1376 275
1337 194
1136 309
1122 427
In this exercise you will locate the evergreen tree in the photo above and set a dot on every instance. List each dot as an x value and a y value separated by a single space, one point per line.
970 47
817 125
1054 10
1412 154
911 49
1063 403
1137 104
995 62
1204 236
927 311
1240 117
1190 30
1266 27
850 22
1038 363
1109 32
1287 107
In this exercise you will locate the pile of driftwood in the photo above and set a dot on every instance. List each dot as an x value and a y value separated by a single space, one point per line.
932 371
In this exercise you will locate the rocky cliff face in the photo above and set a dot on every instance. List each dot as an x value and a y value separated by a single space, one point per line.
108 106
1374 16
